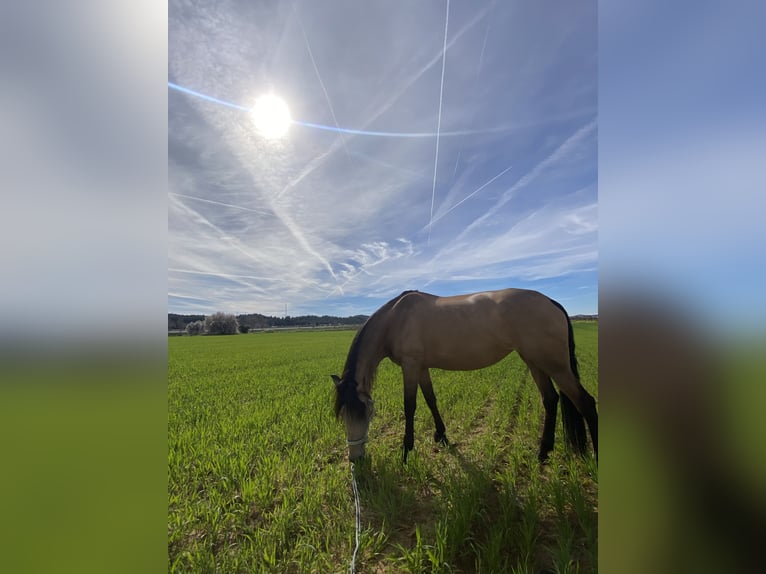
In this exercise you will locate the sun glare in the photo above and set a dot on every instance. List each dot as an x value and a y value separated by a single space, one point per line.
271 116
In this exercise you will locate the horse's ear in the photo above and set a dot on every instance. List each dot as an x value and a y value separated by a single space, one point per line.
336 379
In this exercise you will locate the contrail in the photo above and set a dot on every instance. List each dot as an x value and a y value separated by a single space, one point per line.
414 78
218 274
297 234
202 219
439 122
457 161
483 46
321 83
478 73
261 211
391 167
178 296
470 195
538 169
312 165
484 43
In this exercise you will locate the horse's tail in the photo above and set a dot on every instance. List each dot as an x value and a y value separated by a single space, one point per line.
572 419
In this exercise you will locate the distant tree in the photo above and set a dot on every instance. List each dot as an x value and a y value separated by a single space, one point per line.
178 322
244 328
258 321
195 328
221 324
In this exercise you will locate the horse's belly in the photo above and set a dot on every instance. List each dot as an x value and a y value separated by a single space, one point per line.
466 357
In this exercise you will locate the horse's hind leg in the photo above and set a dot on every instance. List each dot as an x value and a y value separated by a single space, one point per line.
550 402
428 393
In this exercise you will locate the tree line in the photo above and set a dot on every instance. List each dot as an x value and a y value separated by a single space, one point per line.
222 323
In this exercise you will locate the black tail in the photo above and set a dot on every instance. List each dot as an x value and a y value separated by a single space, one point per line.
574 424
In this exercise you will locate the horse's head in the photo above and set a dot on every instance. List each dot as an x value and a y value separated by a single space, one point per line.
356 408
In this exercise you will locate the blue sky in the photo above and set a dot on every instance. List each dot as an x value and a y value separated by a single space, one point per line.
326 222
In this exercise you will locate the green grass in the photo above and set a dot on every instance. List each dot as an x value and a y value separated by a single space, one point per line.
258 477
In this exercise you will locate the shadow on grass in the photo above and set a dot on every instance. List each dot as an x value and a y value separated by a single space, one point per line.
450 506
390 501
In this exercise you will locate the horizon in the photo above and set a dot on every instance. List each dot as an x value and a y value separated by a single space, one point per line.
448 152
321 315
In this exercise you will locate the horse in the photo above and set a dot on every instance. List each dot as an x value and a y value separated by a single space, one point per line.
419 331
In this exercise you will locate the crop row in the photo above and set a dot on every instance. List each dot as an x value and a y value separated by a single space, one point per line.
258 478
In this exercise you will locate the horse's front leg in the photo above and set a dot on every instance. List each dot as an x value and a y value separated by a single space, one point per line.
428 393
410 403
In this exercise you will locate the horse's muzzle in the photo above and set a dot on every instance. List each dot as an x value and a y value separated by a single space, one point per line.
355 452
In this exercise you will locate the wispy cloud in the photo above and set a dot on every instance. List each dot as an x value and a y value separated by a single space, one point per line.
322 222
548 162
398 91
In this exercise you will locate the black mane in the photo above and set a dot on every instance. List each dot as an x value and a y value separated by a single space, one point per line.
346 392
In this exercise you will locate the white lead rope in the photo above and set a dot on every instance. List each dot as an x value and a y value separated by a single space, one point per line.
352 569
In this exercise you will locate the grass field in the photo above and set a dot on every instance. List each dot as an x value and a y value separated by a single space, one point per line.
259 480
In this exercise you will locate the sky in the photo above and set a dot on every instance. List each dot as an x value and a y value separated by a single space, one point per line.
407 165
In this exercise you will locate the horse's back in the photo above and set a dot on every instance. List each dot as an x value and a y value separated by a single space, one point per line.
466 332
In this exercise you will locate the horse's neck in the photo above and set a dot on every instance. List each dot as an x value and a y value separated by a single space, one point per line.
371 352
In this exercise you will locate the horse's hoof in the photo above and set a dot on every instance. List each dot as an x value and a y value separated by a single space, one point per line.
441 438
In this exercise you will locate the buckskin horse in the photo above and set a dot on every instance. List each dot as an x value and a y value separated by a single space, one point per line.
418 331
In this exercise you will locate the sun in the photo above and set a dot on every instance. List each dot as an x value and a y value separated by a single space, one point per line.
271 116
